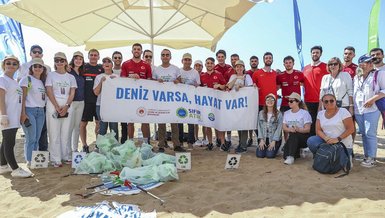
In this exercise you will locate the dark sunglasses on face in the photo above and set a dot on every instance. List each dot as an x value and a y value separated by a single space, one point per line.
165 55
117 57
60 61
37 52
149 56
331 101
270 99
11 63
291 101
37 66
333 64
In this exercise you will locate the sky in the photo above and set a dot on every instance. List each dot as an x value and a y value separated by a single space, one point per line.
333 24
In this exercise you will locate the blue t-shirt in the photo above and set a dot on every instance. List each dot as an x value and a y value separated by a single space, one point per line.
79 92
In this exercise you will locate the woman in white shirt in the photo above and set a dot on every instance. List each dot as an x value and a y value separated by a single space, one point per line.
296 122
10 110
60 91
333 125
34 100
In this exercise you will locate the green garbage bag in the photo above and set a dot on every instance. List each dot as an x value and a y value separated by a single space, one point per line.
160 159
106 142
146 151
127 155
149 174
92 163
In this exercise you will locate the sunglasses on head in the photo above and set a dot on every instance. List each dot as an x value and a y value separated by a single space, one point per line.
11 63
293 100
37 66
117 57
59 60
149 56
332 64
331 101
37 52
165 55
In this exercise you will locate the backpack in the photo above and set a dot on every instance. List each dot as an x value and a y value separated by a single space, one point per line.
331 158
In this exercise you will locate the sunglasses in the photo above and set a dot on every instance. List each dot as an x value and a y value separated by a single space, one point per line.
37 66
11 63
37 52
331 101
60 61
165 55
270 99
333 64
149 56
295 100
117 57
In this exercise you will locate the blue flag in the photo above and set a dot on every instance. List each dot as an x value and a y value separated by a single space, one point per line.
11 37
298 32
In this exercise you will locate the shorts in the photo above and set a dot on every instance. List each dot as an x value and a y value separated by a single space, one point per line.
89 112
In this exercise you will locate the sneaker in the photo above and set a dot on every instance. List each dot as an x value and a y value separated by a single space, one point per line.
160 150
57 164
28 164
218 143
198 143
289 160
250 142
210 146
240 150
68 162
19 172
5 169
369 163
179 149
228 143
225 147
205 142
86 149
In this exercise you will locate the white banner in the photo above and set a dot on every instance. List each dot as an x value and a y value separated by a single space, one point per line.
147 101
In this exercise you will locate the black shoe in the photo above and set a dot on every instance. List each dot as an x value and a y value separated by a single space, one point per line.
225 147
240 150
210 146
218 144
165 144
179 149
86 149
160 150
249 142
228 143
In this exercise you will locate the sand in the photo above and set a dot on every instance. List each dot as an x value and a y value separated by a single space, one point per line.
259 188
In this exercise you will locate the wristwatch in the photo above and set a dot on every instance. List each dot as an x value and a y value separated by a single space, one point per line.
339 139
68 105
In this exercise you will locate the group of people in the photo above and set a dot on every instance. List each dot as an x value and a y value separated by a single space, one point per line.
59 103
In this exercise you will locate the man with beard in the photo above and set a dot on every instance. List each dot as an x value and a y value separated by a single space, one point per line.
349 66
147 57
233 58
117 58
136 68
265 79
378 59
254 62
313 74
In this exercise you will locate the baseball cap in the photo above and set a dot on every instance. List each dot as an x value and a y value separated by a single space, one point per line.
60 55
78 53
365 58
198 62
239 62
187 55
37 61
107 58
36 47
11 57
295 96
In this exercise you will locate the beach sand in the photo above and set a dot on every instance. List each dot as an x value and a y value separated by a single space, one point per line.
259 188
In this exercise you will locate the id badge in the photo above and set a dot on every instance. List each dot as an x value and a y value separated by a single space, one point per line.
360 100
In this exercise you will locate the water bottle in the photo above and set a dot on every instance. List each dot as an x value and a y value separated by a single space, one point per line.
140 136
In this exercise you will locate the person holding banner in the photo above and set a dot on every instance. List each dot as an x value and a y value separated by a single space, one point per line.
198 66
107 66
191 77
34 100
60 87
136 68
10 111
239 80
215 80
167 72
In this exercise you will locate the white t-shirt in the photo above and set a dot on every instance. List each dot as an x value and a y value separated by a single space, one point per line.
246 82
61 84
334 126
168 74
98 80
13 97
341 87
116 72
24 70
298 119
36 96
190 77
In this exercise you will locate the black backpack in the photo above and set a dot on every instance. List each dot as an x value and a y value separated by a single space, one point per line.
331 158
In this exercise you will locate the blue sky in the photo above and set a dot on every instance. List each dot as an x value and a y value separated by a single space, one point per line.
334 24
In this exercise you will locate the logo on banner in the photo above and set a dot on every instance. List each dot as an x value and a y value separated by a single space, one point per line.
181 112
141 111
211 117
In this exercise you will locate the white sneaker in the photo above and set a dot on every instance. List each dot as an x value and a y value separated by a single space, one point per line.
289 160
198 143
205 142
5 169
369 163
19 172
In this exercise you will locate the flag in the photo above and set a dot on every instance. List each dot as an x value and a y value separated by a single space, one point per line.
298 32
11 36
373 41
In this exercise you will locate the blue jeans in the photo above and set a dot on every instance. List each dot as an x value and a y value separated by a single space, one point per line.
32 133
265 152
313 142
368 124
104 125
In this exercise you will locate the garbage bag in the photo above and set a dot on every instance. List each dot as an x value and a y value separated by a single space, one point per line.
149 174
146 151
106 142
160 159
92 163
127 155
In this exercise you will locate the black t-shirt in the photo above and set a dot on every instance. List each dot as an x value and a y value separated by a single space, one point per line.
89 74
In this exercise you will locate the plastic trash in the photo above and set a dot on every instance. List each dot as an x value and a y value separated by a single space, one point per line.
146 151
160 159
149 174
106 142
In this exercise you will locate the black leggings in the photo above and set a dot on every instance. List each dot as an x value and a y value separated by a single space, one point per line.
7 155
294 143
